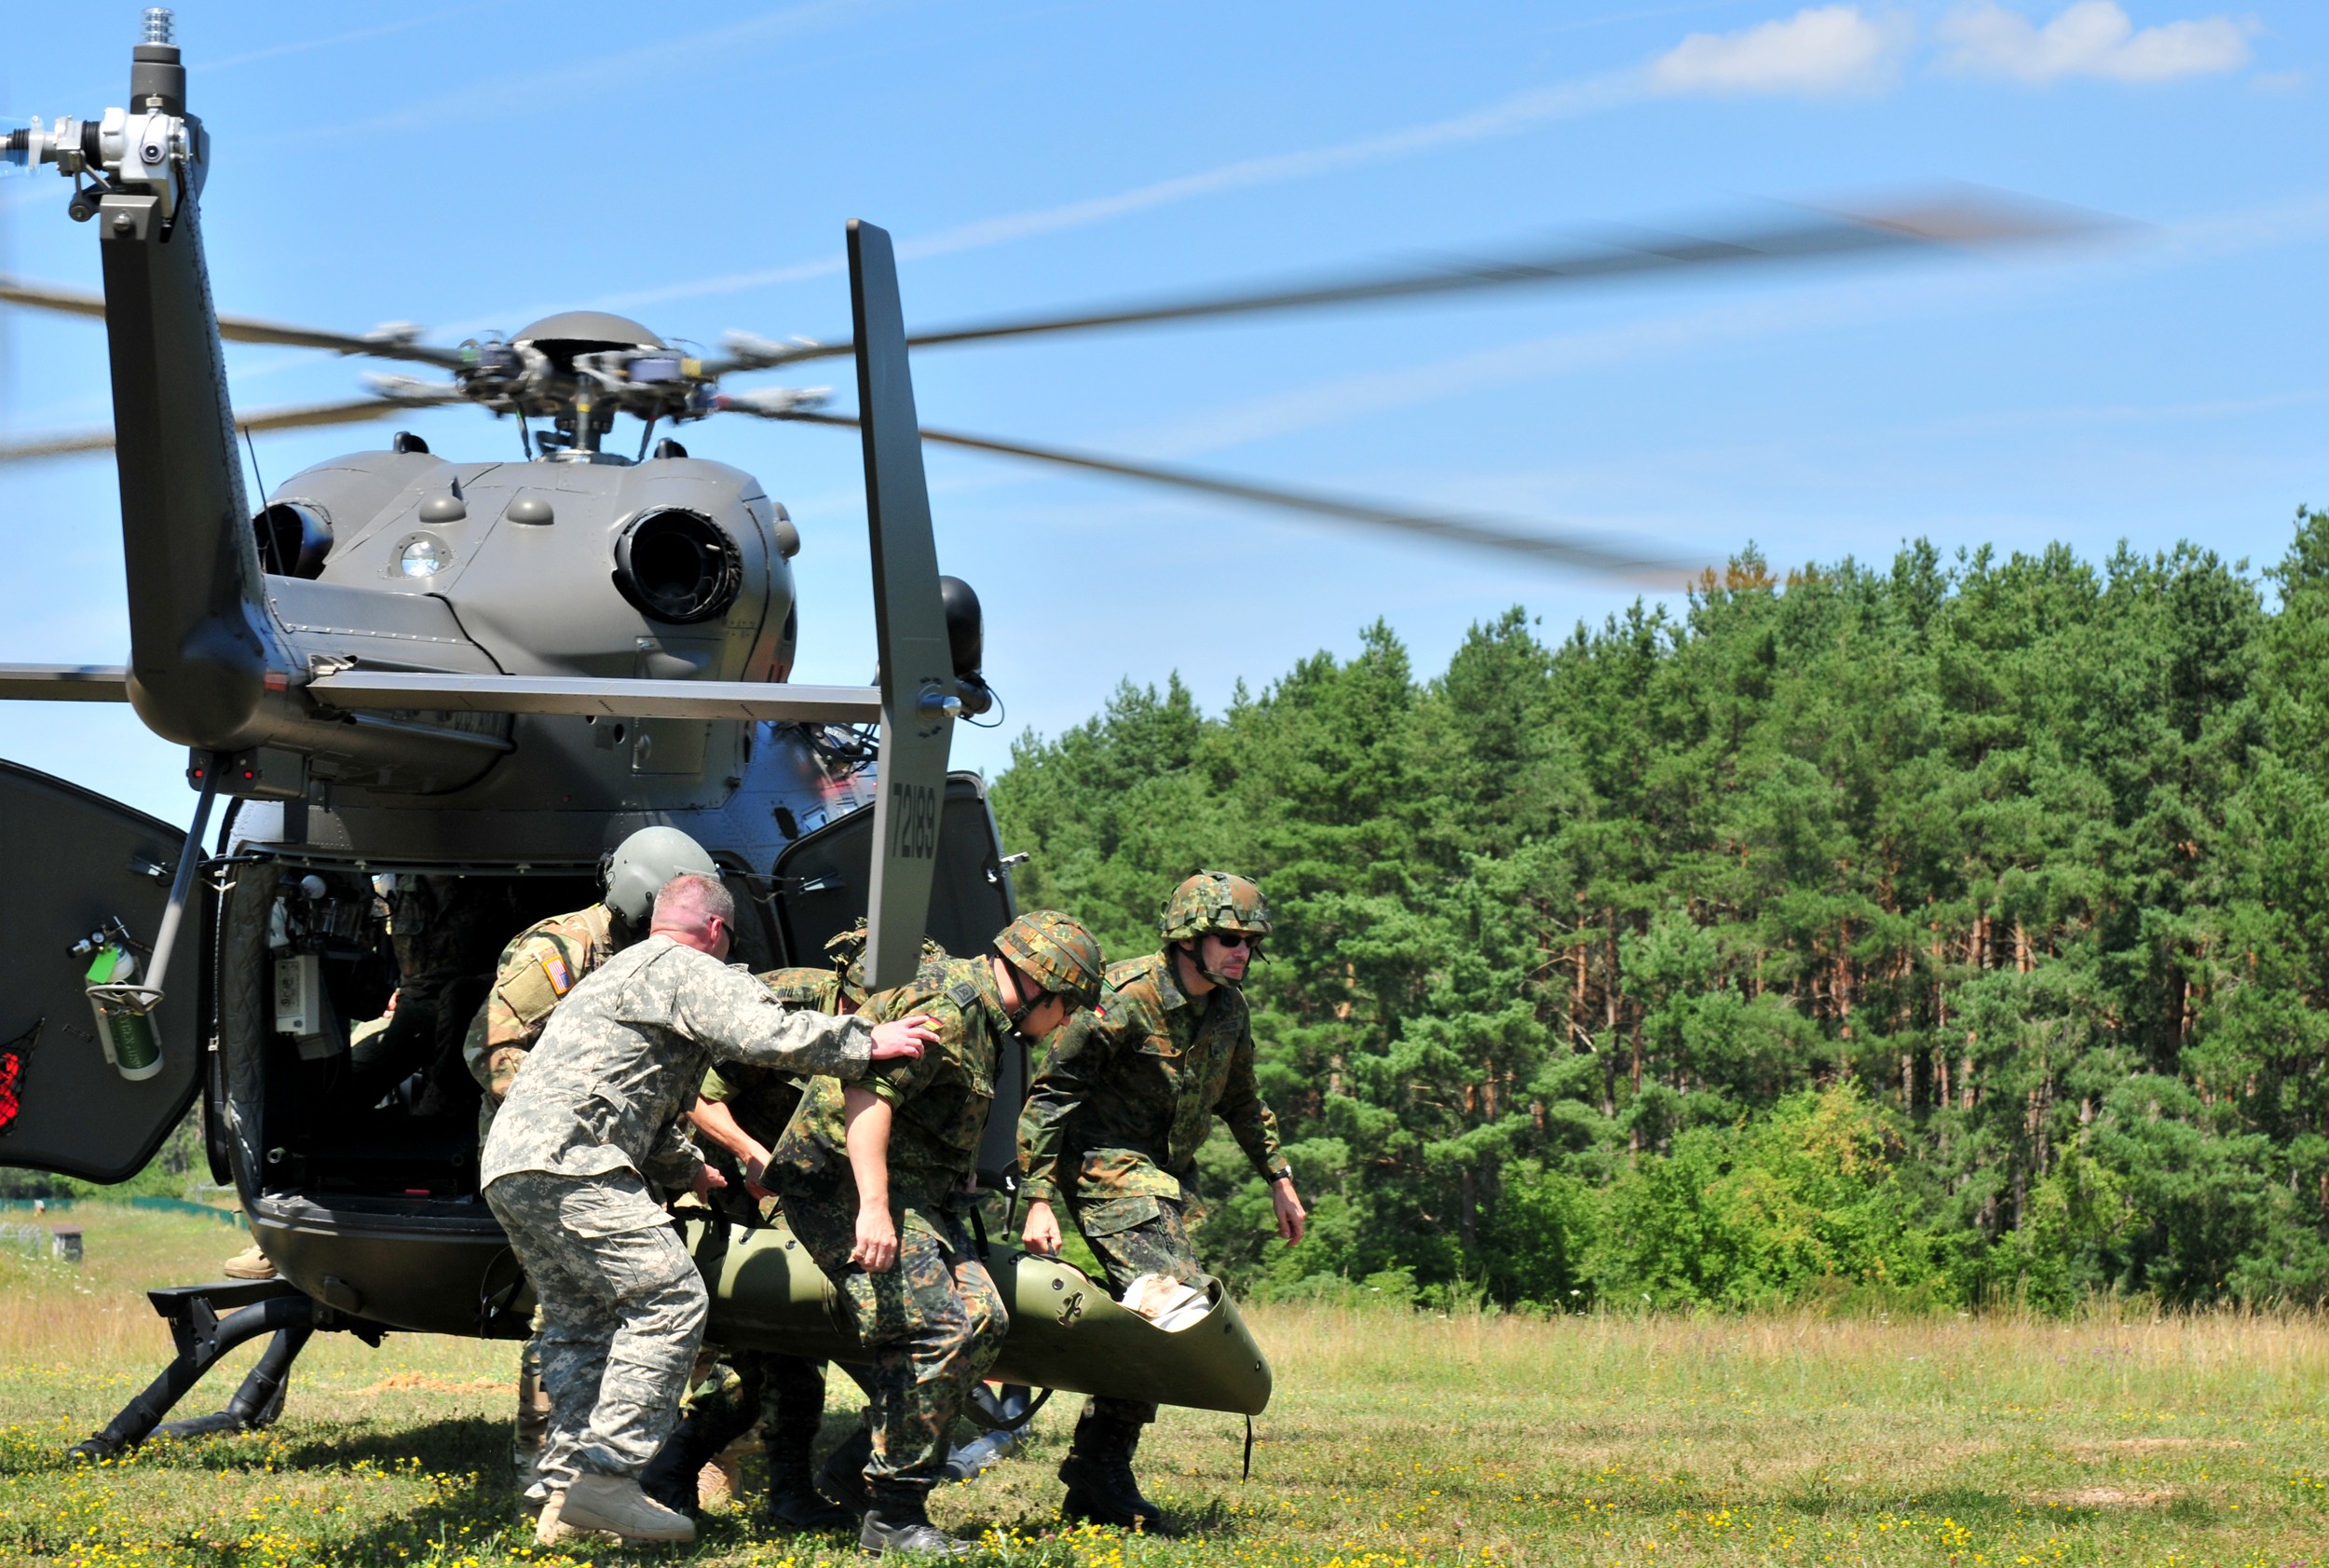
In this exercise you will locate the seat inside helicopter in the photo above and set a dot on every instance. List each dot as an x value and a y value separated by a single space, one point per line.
344 1001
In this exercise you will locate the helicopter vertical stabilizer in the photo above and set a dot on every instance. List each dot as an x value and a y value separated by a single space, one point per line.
199 635
918 697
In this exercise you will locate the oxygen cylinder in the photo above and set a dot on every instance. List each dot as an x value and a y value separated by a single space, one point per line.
126 1035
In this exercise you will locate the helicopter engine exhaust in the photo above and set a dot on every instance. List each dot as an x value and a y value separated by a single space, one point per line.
678 565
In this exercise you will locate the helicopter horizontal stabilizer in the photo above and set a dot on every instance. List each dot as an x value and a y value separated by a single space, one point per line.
389 692
64 682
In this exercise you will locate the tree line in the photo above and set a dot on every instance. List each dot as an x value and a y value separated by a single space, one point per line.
1951 931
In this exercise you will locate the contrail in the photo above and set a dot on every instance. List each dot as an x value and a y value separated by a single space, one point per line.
1505 118
304 44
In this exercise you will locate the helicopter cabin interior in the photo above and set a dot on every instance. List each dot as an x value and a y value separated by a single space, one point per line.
342 994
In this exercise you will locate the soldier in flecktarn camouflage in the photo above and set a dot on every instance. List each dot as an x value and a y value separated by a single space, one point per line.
741 1113
874 1180
1111 1125
580 1154
538 968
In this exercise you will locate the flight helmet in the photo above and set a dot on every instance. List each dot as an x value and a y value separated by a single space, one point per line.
643 863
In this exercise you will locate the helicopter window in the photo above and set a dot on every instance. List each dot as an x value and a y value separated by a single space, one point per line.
678 565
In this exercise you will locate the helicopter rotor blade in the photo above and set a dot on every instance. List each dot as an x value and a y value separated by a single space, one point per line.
64 682
1544 549
1954 218
352 411
391 342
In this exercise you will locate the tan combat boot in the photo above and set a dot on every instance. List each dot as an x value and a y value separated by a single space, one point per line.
250 1263
616 1504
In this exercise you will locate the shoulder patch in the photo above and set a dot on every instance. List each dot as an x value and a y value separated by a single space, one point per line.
554 970
963 995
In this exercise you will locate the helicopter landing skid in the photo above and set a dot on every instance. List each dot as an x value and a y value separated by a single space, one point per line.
251 1308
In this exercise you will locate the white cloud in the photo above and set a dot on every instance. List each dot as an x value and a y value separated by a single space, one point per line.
2090 38
1819 51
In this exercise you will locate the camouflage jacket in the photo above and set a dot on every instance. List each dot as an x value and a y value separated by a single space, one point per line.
1130 1090
605 1088
762 1098
938 1101
539 966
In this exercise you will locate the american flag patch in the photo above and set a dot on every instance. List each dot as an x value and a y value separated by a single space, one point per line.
561 981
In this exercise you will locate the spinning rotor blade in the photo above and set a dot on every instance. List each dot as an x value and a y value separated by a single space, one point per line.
1958 219
354 411
1543 548
386 343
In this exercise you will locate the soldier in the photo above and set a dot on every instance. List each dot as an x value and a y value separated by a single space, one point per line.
537 970
742 1111
584 1131
1112 1122
872 1180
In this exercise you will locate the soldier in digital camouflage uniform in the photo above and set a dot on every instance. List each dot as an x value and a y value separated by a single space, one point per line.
582 1152
872 1180
741 1113
536 970
1113 1124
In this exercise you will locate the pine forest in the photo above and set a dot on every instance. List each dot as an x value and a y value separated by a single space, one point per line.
1948 933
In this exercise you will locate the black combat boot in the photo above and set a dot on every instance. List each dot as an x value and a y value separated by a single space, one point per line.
670 1477
793 1504
1098 1473
899 1521
843 1476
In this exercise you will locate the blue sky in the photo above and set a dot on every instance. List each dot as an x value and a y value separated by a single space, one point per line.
478 165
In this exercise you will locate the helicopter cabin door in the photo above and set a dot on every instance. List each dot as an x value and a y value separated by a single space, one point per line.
821 883
79 1096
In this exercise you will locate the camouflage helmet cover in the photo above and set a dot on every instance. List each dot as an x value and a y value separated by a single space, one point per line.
1215 901
1056 952
643 863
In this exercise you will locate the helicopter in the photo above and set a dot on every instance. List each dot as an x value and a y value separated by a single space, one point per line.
407 674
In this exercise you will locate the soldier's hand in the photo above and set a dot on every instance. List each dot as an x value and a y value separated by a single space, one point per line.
1042 1234
877 1248
757 1176
708 1181
904 1037
1292 1218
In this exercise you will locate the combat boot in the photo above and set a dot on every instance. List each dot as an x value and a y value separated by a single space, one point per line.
899 1521
1098 1473
793 1504
615 1504
670 1477
843 1475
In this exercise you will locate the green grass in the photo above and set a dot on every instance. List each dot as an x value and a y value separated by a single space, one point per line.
1395 1439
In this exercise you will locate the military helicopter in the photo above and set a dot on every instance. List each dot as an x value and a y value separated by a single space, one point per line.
475 677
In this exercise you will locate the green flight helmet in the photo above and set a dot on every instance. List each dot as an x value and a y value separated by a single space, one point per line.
643 863
1056 952
1215 901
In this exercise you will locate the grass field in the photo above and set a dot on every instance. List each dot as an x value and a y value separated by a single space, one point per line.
1395 1439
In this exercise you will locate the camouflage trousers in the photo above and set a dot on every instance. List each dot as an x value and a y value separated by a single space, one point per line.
782 1395
1133 1237
935 1323
623 1314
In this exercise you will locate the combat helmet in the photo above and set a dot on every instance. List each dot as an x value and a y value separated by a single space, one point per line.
643 863
1056 952
1215 901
